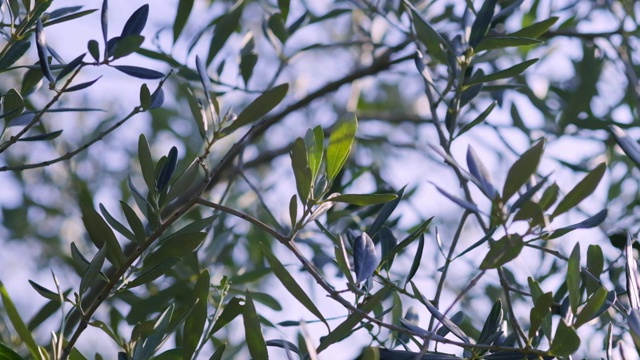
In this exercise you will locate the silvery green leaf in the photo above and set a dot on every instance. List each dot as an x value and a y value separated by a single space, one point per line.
481 174
41 46
364 257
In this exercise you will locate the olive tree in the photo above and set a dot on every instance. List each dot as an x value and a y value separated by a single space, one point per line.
382 179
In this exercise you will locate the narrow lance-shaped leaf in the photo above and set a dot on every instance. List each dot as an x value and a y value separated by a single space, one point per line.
253 333
301 170
631 269
259 107
463 203
417 259
428 36
148 274
314 142
167 169
225 26
81 86
522 169
231 310
481 24
592 307
588 223
18 324
445 321
345 328
503 74
136 22
503 251
628 145
535 30
101 234
41 46
573 279
93 270
14 53
104 21
339 147
365 259
195 321
182 15
364 199
480 172
583 189
139 72
290 283
71 66
539 312
385 212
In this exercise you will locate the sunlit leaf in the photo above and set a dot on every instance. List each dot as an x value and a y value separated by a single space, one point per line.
259 107
502 251
41 46
591 309
225 26
535 30
566 341
340 141
17 322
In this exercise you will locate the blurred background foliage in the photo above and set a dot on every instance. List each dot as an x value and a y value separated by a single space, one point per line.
496 124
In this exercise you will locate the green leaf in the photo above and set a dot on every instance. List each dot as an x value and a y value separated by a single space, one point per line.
101 234
540 313
14 53
482 22
385 212
500 42
595 265
184 10
566 341
340 141
146 163
94 50
47 136
314 142
177 246
46 293
537 293
346 327
127 46
217 355
434 42
148 273
21 329
290 283
588 223
134 222
573 278
503 74
502 251
12 105
248 62
417 259
293 210
253 333
537 29
116 225
160 329
192 179
364 199
342 259
259 107
592 307
301 170
628 145
139 72
225 26
583 189
445 321
406 241
167 169
195 321
522 169
8 354
492 324
231 310
43 53
71 66
93 270
283 5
